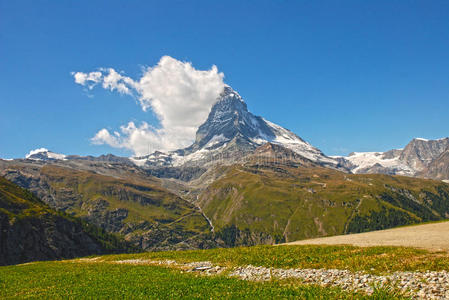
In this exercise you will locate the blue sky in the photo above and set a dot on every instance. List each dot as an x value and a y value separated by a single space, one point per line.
344 75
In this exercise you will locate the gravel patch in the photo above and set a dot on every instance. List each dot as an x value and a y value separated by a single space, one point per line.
205 267
418 285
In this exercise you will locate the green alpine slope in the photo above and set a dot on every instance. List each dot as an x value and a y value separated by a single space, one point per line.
271 202
30 230
139 209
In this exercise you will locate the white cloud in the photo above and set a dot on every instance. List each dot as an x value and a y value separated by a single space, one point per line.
180 96
142 139
104 137
114 81
89 79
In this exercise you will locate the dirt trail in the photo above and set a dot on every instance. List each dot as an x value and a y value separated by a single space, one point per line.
433 236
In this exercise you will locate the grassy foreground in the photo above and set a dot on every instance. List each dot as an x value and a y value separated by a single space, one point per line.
104 280
376 260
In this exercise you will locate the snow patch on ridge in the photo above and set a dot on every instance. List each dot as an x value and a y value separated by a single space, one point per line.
43 153
139 161
203 153
216 139
363 160
158 158
291 141
36 151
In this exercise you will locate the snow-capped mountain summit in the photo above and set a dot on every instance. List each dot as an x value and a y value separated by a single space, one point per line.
228 118
44 154
230 132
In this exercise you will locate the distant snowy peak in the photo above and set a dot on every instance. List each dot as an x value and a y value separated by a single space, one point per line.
378 162
412 159
231 130
44 154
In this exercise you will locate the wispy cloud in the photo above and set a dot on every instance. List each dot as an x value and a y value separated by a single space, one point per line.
180 96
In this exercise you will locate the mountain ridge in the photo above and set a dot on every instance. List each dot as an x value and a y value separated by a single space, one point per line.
231 132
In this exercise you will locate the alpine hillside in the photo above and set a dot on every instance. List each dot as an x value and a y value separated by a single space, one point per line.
30 230
116 197
272 200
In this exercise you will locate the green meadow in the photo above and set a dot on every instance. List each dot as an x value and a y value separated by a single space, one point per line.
103 278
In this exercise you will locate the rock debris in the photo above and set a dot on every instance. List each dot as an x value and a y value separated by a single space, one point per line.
418 285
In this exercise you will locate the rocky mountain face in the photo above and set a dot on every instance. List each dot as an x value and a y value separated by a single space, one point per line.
438 168
420 157
30 230
419 153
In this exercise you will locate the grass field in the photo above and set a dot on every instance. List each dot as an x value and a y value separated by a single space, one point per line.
105 280
375 260
431 236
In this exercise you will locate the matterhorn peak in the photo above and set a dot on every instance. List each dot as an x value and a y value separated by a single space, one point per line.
232 131
229 92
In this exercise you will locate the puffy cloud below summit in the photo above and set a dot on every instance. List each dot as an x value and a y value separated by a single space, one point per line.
180 96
